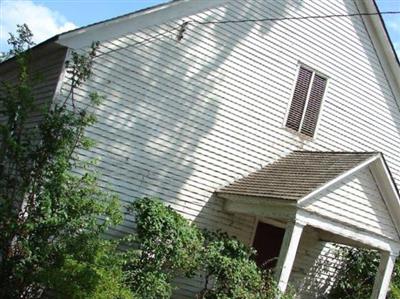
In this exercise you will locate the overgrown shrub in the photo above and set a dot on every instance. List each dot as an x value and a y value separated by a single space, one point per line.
358 272
395 282
53 220
51 241
231 272
166 246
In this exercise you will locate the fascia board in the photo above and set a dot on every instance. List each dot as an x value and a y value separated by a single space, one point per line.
388 190
134 22
338 179
347 231
382 44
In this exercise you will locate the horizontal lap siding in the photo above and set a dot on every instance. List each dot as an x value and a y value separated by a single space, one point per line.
47 69
355 201
315 267
182 119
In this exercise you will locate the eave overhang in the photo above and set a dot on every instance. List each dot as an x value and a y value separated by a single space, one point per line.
292 209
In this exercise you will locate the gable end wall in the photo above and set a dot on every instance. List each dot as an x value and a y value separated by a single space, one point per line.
182 119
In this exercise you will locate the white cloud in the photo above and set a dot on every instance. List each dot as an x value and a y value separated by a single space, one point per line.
42 21
394 24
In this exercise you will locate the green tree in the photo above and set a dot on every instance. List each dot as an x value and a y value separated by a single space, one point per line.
231 272
51 234
357 274
165 246
53 218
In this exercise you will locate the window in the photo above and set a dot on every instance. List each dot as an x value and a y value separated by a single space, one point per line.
306 102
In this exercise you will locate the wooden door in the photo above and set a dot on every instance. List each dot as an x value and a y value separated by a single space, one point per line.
267 242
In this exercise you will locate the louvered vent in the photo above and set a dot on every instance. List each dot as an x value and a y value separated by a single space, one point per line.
301 119
313 106
299 99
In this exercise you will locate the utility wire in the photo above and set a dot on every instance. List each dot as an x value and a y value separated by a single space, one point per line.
149 39
297 18
183 27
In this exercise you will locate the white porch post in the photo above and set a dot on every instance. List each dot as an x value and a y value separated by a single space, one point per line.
383 276
287 253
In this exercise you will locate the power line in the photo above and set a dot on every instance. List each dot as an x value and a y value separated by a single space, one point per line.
149 39
184 26
297 18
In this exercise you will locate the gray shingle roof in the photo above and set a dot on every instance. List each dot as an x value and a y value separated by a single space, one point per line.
296 175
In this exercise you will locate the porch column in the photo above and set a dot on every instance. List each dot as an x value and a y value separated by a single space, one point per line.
287 253
384 275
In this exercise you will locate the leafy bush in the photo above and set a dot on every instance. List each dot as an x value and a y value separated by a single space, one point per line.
53 220
395 282
358 272
227 264
51 240
167 246
394 291
231 272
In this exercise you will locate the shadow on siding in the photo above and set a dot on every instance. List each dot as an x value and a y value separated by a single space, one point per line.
156 132
316 268
160 132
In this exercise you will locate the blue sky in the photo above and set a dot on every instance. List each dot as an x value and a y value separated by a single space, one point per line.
392 21
49 17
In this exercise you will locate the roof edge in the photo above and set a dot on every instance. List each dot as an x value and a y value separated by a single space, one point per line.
383 46
135 21
387 33
388 189
384 180
340 177
47 42
48 45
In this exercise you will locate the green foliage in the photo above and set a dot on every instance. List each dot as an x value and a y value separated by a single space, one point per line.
395 282
52 218
20 43
93 272
231 272
167 246
357 274
227 264
51 242
394 291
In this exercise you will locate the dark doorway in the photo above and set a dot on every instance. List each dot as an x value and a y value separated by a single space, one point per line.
267 242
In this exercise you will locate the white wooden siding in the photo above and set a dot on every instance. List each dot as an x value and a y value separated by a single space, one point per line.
315 267
183 119
355 201
47 66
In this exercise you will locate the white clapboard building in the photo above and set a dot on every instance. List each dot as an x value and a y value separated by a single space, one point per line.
276 121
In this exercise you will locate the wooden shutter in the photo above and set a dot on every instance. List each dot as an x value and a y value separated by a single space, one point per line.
313 106
299 99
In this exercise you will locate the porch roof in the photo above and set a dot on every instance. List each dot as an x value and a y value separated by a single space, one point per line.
288 189
291 188
297 174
